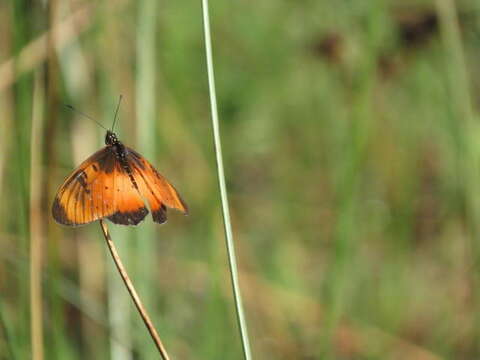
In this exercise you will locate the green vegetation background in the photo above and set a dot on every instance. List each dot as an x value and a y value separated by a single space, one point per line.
352 152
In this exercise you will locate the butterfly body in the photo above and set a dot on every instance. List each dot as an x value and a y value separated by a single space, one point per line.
115 183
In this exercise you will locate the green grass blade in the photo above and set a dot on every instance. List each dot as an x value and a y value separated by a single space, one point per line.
223 190
146 110
466 124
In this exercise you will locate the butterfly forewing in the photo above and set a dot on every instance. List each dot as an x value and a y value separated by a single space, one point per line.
87 194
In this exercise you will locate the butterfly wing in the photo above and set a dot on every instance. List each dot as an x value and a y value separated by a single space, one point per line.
98 188
159 193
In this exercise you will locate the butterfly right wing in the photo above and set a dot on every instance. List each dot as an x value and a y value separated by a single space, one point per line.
159 193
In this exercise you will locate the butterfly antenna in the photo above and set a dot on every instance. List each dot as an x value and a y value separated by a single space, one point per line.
116 111
85 115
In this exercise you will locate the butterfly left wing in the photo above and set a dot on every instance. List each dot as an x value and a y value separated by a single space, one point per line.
97 189
86 195
159 193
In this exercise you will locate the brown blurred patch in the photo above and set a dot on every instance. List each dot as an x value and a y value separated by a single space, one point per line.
417 27
427 219
416 330
329 46
388 65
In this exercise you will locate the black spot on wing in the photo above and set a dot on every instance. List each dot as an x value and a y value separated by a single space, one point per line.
126 168
160 215
129 217
147 184
82 180
132 155
81 206
108 162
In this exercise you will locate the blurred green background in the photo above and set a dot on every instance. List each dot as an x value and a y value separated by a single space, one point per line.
352 149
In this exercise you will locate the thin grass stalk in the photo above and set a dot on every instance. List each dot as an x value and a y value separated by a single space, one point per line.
146 110
121 334
468 131
7 338
133 293
356 139
6 330
20 162
223 189
63 349
35 52
36 221
119 311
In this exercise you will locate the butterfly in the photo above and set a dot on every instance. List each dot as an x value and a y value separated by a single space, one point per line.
116 183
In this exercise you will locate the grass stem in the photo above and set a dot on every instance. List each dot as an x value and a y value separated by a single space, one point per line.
133 293
468 149
221 181
36 220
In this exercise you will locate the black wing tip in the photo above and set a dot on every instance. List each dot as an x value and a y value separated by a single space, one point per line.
185 210
129 217
160 215
59 214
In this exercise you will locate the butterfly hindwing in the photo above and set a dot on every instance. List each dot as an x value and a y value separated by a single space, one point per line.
154 187
130 207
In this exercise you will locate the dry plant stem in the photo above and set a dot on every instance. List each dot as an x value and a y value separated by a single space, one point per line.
36 51
36 227
223 188
133 293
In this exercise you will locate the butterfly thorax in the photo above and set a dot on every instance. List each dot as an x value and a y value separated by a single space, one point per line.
111 138
118 148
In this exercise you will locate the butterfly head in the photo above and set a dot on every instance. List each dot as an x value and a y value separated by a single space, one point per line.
111 138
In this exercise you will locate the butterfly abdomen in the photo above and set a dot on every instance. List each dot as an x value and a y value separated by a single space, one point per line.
121 153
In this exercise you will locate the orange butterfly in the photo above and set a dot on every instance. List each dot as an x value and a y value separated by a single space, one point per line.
115 183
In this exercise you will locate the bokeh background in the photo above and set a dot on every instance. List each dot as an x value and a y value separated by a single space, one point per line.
352 150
